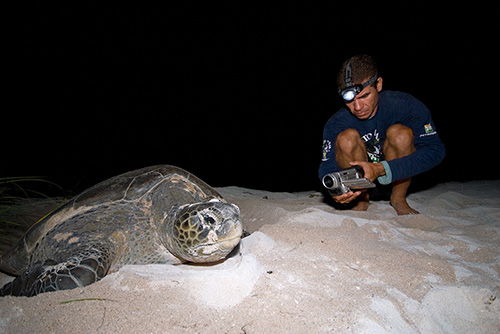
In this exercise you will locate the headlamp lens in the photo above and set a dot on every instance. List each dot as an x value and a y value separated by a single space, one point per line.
348 95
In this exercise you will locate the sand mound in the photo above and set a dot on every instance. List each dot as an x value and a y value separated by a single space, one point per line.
307 268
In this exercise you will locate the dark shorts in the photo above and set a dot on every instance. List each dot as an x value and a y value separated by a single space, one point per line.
381 192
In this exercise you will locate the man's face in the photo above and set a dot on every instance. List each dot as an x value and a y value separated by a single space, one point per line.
365 104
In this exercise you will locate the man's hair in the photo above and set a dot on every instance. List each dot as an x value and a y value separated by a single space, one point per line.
363 67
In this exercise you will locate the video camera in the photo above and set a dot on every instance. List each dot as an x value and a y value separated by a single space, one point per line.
348 179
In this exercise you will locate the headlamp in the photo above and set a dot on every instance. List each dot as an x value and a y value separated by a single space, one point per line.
350 92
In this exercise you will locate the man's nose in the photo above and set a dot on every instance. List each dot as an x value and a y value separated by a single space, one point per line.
357 105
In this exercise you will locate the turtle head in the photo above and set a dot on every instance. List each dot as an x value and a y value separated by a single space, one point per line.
205 232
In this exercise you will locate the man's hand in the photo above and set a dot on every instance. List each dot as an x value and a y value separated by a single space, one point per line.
372 170
347 197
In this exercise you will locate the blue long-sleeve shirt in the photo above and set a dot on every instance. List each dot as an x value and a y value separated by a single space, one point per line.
393 108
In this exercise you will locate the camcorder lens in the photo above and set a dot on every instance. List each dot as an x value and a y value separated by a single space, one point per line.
328 181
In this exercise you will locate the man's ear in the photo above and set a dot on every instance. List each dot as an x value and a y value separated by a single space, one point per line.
380 82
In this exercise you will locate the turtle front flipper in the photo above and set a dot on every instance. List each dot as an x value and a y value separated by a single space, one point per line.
80 270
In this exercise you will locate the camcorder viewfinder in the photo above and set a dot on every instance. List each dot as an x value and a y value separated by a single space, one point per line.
349 179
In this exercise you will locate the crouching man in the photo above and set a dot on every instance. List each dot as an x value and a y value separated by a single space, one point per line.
389 134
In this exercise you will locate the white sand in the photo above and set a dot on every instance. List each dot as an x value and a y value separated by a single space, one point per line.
307 268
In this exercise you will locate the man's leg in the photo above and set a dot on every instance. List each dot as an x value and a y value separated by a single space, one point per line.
399 143
350 147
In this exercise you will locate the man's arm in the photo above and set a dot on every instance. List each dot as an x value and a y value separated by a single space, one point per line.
328 158
430 151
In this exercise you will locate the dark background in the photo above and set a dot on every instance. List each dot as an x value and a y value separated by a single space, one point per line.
238 94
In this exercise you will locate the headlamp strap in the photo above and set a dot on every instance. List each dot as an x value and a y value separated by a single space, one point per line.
348 79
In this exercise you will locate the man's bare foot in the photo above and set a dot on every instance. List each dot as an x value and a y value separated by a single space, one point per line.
402 208
363 202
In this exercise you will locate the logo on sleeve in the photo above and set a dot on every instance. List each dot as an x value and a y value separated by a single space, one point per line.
327 147
429 131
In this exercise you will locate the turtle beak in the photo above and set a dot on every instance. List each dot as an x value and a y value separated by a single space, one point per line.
231 227
232 230
222 239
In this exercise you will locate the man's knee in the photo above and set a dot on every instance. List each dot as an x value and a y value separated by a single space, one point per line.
348 140
399 136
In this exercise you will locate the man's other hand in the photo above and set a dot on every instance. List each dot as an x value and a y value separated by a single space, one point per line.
347 197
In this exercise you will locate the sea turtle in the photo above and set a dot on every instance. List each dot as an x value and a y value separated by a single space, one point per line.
159 214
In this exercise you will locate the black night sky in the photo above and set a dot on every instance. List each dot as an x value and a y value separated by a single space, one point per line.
238 94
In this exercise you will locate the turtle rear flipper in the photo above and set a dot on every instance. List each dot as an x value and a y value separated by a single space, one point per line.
78 271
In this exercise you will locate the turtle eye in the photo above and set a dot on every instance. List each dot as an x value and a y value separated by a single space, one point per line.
209 220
